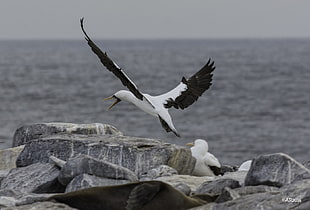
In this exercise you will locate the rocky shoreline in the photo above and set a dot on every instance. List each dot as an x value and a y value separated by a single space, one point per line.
53 158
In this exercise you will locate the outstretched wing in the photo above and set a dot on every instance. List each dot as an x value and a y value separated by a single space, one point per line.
111 66
189 90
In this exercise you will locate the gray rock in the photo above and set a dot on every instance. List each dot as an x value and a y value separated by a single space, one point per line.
58 162
231 194
228 168
8 157
208 206
247 190
293 196
86 181
10 198
137 154
8 193
38 178
6 201
162 170
84 164
183 188
13 198
191 181
30 198
275 170
40 206
3 174
216 187
306 175
227 194
27 133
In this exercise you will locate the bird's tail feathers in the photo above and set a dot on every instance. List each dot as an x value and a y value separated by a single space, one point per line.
168 128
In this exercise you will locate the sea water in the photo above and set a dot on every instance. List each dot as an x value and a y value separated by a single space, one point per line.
259 101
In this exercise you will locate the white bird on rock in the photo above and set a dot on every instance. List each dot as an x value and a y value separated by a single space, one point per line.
206 163
185 94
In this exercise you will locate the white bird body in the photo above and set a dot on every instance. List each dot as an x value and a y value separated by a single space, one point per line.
143 104
204 159
149 104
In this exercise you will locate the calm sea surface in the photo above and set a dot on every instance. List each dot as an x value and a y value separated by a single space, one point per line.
259 102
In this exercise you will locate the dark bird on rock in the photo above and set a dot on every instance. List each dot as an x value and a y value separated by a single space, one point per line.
182 96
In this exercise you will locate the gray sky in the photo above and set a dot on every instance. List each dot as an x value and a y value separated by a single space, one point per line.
127 19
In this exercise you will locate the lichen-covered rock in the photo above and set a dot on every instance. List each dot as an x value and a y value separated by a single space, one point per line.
84 164
86 181
275 170
6 201
41 205
217 186
248 190
137 154
191 181
8 157
10 198
27 133
195 181
293 196
37 178
4 173
231 194
13 198
162 170
227 194
8 193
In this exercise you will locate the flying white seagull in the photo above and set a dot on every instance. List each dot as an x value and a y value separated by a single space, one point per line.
182 96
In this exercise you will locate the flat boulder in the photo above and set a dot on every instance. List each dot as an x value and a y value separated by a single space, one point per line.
137 154
86 181
275 170
27 133
85 164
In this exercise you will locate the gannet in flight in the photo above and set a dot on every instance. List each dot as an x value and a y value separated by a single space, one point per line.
182 96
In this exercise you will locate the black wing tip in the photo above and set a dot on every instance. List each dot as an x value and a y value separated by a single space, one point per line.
83 30
177 134
196 86
81 20
211 64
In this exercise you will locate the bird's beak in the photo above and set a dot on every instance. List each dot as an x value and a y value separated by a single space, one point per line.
112 97
190 144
